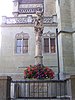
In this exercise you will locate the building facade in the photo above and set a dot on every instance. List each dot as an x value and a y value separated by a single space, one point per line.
18 37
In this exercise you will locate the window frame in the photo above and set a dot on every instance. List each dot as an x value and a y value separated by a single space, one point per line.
49 45
22 36
54 50
44 45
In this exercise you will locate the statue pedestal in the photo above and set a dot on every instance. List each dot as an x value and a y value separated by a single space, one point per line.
38 89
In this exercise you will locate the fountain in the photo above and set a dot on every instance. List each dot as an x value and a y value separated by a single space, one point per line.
38 71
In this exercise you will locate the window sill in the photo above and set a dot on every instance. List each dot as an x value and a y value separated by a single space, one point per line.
21 54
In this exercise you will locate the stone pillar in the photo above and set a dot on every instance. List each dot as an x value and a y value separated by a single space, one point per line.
65 39
38 38
72 2
66 55
63 8
5 87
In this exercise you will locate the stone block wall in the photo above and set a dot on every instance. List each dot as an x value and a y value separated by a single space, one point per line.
72 83
65 15
72 2
49 7
66 53
66 26
5 82
14 64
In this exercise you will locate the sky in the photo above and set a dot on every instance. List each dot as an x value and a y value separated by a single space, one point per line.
6 7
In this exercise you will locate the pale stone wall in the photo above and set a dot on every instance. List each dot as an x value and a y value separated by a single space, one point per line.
74 46
12 63
5 82
72 2
67 59
67 48
60 53
49 7
64 15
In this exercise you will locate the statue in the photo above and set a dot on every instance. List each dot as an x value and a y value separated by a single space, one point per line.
39 22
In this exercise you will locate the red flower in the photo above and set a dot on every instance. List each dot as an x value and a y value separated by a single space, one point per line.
30 72
28 68
38 72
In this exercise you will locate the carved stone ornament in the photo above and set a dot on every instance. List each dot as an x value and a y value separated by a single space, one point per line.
39 22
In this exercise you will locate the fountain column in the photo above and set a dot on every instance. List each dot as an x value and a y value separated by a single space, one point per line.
38 37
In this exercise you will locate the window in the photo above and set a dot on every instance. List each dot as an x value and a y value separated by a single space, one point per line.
52 45
49 45
46 45
21 43
22 46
